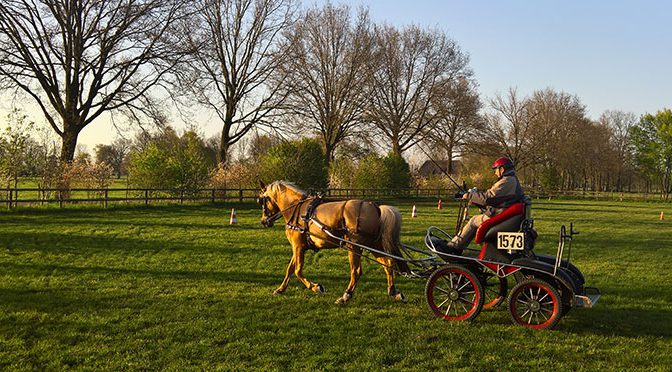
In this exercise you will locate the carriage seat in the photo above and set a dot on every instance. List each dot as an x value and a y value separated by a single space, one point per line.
509 220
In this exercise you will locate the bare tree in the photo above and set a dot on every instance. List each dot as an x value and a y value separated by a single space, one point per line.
558 127
411 62
325 77
509 130
619 124
236 49
458 122
78 59
115 155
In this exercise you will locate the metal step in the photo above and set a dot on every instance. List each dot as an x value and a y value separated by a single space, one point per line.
589 299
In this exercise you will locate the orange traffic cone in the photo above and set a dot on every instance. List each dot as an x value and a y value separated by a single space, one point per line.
440 204
414 213
234 217
662 216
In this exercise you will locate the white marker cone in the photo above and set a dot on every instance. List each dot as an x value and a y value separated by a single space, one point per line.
234 217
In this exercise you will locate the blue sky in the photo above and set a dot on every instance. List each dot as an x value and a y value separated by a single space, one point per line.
613 55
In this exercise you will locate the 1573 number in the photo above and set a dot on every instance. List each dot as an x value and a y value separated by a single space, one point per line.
510 240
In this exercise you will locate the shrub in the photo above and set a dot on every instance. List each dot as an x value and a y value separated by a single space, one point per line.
399 173
371 173
342 173
391 172
302 162
238 174
176 163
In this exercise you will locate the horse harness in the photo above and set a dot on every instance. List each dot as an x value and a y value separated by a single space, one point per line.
300 222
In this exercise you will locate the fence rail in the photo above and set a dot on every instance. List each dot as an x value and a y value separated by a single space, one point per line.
37 196
34 196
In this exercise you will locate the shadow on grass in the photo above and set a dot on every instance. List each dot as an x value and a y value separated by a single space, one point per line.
89 209
57 243
241 277
626 322
102 221
559 204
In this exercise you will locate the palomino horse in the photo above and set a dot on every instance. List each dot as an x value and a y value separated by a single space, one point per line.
357 221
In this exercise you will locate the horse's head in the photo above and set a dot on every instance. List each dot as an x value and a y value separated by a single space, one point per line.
269 208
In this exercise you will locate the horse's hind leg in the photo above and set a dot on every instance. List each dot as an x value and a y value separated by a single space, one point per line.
355 258
388 265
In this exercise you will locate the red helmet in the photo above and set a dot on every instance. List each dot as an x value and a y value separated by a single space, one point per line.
502 162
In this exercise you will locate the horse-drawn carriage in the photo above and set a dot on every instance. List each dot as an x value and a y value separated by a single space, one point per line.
460 283
545 289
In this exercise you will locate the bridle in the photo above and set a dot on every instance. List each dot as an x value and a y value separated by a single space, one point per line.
270 218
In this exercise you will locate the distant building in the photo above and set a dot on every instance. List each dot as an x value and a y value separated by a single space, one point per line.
429 168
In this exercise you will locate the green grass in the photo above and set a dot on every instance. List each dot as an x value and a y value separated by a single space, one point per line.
178 288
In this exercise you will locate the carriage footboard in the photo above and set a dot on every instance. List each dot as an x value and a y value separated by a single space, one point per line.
589 299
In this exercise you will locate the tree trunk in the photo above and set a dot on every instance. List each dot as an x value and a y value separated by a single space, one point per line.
328 154
69 145
396 148
224 147
449 167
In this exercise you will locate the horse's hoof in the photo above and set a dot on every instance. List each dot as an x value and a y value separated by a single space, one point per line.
400 297
343 299
278 291
318 288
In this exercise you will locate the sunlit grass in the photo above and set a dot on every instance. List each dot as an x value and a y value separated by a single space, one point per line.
176 287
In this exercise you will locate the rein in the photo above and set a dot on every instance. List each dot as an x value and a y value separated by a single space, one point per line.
275 216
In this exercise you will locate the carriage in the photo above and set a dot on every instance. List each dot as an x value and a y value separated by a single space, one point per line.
545 287
460 283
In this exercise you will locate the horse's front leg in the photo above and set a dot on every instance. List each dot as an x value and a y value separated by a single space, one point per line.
388 265
355 258
299 252
285 282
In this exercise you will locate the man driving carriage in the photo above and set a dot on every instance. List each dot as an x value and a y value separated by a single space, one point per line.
504 193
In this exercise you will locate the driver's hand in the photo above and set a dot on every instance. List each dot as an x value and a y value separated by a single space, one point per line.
465 196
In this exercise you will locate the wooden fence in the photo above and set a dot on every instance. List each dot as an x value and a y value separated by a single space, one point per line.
37 196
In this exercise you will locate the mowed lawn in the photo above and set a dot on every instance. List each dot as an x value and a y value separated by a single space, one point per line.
178 288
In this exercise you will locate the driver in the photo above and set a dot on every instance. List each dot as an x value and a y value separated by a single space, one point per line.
504 193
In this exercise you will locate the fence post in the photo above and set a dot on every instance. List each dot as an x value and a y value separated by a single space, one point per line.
181 196
9 202
213 196
106 196
60 198
146 197
240 195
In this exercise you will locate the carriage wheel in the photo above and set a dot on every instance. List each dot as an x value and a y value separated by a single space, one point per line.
453 292
494 290
534 303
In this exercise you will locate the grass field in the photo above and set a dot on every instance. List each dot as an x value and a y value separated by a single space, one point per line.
177 288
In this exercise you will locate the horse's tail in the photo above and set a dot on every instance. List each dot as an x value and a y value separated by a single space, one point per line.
390 231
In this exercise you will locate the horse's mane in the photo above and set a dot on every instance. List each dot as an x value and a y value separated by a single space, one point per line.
276 187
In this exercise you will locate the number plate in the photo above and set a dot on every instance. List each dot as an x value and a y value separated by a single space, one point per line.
511 241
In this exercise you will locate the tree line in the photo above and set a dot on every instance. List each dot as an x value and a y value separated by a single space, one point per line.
328 73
